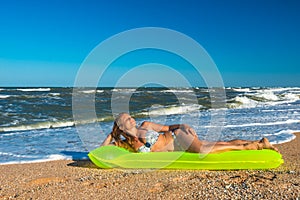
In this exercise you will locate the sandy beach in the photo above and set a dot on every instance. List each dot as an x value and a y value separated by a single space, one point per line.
81 180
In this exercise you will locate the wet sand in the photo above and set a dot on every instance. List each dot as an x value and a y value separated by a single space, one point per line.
81 180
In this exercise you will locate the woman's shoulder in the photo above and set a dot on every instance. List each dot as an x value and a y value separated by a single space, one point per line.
146 124
154 126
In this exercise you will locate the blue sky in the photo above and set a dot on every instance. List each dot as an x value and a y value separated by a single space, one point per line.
252 42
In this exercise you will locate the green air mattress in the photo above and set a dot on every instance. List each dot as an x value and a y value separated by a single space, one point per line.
115 157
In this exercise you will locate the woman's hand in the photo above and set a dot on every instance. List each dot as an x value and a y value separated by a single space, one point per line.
188 130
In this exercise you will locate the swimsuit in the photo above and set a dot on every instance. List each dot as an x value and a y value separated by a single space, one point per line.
151 139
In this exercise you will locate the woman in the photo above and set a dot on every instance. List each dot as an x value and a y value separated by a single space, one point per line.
152 137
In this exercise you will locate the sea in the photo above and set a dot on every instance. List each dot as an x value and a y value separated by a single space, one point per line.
39 124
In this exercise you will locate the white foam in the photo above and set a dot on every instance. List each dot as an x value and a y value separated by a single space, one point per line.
292 137
291 97
62 124
54 94
16 155
13 130
267 95
171 110
289 121
283 89
4 96
35 89
289 136
52 157
88 91
287 99
282 110
242 89
283 132
179 91
245 102
125 90
41 125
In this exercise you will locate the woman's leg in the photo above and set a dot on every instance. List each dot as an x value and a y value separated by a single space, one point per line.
234 142
190 143
216 147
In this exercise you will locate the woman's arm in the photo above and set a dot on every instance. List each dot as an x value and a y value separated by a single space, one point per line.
157 127
166 128
107 140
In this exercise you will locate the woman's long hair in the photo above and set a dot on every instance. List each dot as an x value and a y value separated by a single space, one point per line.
126 143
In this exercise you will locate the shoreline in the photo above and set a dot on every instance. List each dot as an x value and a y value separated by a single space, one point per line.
85 157
65 179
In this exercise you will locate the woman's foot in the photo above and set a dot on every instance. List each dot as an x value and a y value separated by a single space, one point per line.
259 145
265 144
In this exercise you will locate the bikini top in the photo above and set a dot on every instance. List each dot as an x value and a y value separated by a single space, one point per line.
151 139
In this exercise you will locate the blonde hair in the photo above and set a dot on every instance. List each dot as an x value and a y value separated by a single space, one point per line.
116 134
118 118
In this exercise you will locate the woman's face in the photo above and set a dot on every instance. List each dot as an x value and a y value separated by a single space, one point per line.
126 122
